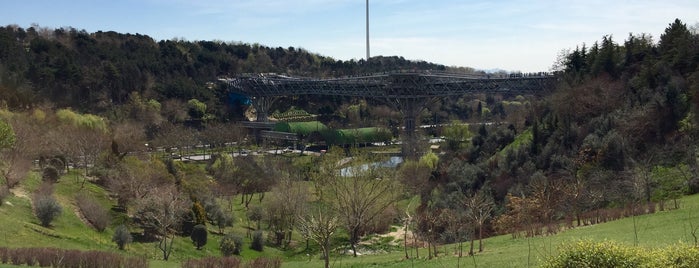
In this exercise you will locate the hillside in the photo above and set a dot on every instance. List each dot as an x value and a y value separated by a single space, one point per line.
132 115
656 230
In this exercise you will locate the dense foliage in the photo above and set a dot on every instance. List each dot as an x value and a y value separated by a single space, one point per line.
618 134
97 71
610 254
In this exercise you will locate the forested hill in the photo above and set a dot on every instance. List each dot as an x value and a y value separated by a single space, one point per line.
94 71
621 127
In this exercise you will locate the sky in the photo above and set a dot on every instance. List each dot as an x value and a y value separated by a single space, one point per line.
511 35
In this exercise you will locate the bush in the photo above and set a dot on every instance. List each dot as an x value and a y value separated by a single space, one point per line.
122 236
61 258
199 235
256 214
59 163
258 241
610 254
50 174
223 220
46 209
93 212
213 262
231 245
263 262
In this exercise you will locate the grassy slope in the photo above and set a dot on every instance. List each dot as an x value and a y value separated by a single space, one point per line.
656 230
21 229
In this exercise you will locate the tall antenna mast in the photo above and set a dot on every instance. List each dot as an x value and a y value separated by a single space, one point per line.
367 30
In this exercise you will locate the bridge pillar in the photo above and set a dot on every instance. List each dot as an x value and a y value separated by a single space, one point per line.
262 106
411 108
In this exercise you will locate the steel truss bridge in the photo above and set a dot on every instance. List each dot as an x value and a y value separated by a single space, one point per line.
408 92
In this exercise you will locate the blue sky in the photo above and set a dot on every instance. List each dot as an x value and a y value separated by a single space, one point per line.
514 35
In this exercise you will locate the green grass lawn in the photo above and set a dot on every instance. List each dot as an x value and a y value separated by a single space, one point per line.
652 231
20 228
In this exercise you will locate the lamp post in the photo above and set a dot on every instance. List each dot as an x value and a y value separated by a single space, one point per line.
367 30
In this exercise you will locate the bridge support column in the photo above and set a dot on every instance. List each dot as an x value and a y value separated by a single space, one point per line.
262 106
411 109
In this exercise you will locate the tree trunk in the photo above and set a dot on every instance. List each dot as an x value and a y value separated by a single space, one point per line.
405 241
417 248
354 238
429 249
470 251
164 247
326 253
480 238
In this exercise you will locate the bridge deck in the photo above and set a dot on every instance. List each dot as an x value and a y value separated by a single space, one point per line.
391 85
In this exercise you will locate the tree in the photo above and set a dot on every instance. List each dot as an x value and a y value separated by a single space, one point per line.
46 208
671 184
135 179
258 241
256 214
363 193
456 134
674 46
479 208
319 225
159 214
288 200
122 236
199 235
196 109
15 145
231 245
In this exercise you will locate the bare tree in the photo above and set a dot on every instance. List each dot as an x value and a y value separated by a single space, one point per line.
288 201
128 137
135 179
20 143
160 213
217 135
319 225
363 193
479 208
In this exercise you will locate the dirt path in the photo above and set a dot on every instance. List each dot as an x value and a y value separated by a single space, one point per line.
19 192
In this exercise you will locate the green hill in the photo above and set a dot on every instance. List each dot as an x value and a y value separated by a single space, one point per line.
22 229
661 229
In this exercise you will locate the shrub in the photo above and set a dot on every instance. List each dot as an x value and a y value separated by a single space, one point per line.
58 164
199 235
50 174
258 241
122 236
93 212
231 245
136 262
610 254
678 256
223 220
213 262
46 209
263 262
256 214
199 213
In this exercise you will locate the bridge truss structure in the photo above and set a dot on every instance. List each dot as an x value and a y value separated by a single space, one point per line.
408 92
